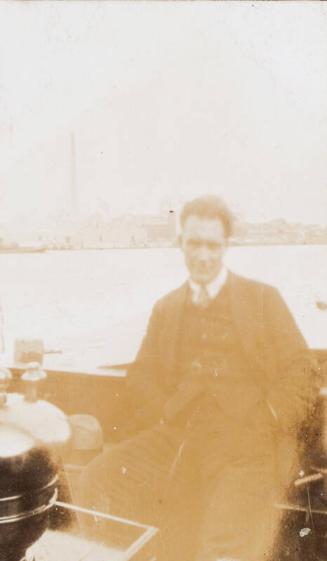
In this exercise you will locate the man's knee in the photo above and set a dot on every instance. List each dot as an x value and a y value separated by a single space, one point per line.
111 470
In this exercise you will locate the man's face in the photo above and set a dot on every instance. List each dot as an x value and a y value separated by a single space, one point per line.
203 242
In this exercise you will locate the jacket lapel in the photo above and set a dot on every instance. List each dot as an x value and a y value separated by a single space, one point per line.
247 311
171 331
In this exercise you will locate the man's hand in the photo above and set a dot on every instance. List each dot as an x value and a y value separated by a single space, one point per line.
190 388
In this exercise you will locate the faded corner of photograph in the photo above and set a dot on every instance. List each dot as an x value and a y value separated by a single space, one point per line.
163 285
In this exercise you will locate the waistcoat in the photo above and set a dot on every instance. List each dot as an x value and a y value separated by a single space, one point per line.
210 346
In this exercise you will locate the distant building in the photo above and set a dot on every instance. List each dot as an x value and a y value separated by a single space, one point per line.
278 232
161 230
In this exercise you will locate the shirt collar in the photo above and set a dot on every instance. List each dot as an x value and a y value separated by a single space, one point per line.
213 287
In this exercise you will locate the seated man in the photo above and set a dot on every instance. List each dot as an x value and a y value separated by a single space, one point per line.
220 388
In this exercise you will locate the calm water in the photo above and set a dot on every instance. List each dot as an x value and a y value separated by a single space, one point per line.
93 305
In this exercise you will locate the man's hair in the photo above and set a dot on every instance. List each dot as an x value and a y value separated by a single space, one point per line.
211 207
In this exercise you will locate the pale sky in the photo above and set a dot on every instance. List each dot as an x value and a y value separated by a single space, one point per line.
167 100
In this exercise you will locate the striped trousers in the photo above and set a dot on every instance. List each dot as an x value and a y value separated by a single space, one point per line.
211 494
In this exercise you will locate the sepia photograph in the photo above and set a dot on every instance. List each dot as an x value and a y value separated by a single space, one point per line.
163 280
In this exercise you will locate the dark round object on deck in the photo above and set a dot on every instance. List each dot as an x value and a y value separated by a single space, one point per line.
28 484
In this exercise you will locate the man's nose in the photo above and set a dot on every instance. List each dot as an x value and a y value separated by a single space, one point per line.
203 253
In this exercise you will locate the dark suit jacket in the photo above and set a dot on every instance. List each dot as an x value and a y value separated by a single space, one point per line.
281 364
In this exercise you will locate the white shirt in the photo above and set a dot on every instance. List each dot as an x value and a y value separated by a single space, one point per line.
213 287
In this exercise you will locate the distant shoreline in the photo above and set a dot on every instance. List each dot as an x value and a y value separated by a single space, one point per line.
153 247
